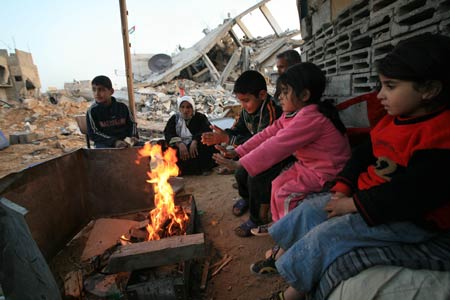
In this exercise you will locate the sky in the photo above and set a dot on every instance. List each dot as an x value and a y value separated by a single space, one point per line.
78 40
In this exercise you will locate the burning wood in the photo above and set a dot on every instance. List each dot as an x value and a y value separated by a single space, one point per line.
166 219
157 253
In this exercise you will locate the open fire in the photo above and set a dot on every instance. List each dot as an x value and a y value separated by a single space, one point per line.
166 219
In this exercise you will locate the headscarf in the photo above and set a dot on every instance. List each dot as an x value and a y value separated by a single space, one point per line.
181 127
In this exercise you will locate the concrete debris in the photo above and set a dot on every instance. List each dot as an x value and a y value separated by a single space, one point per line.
159 103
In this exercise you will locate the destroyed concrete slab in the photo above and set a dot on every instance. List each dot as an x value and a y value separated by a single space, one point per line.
191 55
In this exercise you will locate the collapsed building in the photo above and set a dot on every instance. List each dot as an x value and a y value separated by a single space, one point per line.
220 56
19 76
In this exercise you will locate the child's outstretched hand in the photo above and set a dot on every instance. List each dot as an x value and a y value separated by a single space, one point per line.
228 163
340 205
226 152
215 137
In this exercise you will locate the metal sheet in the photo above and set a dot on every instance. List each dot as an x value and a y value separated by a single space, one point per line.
53 192
63 194
116 184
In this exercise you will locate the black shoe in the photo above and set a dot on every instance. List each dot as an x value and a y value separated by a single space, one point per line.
264 267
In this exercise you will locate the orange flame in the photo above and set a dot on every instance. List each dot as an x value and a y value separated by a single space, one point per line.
165 214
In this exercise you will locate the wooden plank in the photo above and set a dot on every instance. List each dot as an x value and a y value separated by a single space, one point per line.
73 285
205 274
157 253
105 234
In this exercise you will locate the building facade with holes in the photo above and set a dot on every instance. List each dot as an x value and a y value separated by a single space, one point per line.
19 76
346 38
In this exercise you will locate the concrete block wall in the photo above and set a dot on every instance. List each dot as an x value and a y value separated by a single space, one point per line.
348 48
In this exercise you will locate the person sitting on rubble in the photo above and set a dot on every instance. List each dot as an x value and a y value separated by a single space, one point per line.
284 60
258 112
394 190
310 128
183 132
109 122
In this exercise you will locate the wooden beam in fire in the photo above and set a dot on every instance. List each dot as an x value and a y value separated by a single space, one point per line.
162 252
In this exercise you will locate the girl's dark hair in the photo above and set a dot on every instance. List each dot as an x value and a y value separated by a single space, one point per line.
420 59
309 76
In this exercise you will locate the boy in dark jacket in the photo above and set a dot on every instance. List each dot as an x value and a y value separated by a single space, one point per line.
258 112
109 122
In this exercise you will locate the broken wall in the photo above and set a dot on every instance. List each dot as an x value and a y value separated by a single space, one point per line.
24 74
348 47
5 80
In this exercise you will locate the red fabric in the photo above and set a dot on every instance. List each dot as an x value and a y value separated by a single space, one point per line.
375 112
395 144
342 188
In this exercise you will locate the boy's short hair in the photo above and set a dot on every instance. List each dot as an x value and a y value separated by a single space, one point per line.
292 57
103 81
250 82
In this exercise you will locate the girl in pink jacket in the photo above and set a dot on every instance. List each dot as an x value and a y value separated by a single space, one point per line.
308 128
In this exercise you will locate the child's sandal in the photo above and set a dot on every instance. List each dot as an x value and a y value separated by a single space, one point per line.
261 230
266 266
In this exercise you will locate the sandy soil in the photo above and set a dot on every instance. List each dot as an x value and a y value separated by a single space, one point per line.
214 197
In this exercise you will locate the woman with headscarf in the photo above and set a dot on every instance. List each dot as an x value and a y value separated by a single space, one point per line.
183 132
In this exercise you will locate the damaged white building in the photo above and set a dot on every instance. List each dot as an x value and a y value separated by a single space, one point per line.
19 76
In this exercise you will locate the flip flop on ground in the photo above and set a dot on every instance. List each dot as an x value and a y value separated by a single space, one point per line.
243 230
240 207
261 230
266 266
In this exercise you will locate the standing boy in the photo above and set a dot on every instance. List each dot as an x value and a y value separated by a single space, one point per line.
109 122
258 112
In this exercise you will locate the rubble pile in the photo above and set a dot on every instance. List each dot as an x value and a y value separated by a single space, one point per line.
159 103
52 126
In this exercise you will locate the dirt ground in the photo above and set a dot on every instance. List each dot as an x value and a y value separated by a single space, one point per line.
214 196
